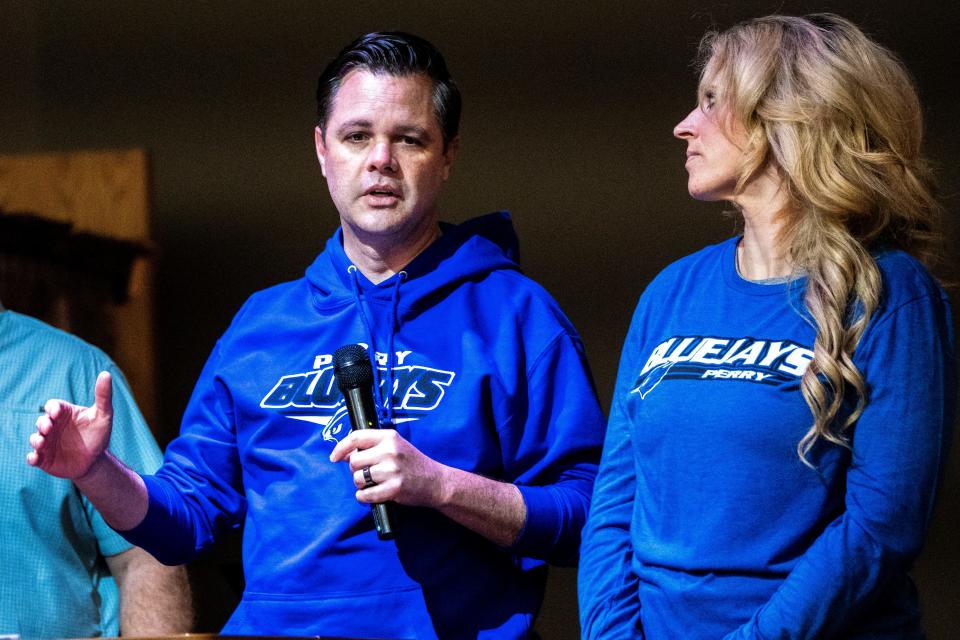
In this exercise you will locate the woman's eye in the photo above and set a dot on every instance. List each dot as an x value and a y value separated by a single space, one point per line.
709 99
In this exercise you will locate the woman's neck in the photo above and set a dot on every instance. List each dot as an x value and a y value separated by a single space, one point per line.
762 255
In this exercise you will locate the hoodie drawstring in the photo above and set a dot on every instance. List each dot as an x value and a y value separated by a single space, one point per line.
387 406
391 354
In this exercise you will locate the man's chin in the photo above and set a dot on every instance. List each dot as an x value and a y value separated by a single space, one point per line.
383 224
377 223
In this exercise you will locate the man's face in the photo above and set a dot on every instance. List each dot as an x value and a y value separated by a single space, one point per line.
383 157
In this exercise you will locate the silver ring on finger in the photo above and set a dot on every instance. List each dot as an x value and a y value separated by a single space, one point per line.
368 479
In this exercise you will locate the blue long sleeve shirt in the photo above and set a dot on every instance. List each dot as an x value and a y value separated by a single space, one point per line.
705 523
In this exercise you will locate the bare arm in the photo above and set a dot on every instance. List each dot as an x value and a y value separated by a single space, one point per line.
154 599
403 474
71 442
493 509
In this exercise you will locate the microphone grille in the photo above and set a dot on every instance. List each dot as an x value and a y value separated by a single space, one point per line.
351 367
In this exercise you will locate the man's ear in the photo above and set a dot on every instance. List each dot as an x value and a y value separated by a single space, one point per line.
449 155
321 149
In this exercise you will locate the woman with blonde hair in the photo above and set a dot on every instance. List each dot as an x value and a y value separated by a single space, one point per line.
784 398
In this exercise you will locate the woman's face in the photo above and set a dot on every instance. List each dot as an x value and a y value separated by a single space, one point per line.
715 147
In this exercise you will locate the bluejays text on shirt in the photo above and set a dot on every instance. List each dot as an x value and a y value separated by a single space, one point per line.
712 358
299 395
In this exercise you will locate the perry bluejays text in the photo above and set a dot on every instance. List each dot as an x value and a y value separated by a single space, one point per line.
711 358
313 396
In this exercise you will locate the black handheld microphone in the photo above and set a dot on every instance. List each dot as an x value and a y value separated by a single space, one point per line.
354 374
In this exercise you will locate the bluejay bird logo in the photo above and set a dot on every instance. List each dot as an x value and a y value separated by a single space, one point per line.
339 423
648 381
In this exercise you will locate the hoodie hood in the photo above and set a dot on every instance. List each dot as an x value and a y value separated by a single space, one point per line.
465 252
468 251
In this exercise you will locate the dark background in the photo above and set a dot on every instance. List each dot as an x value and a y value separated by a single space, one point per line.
568 115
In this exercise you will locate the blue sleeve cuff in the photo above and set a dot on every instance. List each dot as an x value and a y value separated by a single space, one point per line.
158 532
543 527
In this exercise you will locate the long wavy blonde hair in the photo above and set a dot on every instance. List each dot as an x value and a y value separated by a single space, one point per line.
837 115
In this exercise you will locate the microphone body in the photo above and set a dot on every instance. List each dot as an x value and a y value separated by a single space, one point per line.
354 375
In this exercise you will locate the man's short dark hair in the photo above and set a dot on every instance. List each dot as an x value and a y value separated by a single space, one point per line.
397 54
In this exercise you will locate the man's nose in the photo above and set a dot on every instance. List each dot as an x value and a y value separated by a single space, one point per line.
381 158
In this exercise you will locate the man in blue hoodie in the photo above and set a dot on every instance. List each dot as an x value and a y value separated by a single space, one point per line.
496 428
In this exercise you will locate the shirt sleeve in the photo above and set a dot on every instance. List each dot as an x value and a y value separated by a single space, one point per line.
899 443
132 442
607 586
198 490
553 456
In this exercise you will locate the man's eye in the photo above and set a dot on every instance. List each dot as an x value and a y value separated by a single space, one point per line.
356 137
411 140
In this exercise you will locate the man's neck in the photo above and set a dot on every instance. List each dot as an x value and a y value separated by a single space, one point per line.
379 258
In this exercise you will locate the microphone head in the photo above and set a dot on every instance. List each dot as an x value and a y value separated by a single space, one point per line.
352 368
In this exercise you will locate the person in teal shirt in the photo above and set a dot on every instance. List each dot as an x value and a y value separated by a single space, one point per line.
65 572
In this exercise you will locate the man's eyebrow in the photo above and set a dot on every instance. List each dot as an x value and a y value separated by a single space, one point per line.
358 123
413 129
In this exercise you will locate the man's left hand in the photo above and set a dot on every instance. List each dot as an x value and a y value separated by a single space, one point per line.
399 471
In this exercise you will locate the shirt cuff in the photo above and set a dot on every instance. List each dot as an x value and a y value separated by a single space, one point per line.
542 526
153 533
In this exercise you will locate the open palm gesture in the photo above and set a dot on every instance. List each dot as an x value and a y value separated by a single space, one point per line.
69 439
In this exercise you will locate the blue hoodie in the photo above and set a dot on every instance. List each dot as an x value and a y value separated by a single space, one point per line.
487 374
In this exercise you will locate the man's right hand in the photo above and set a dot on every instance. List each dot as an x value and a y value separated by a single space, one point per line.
69 439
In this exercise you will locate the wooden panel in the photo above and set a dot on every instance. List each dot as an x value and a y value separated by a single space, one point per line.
104 193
